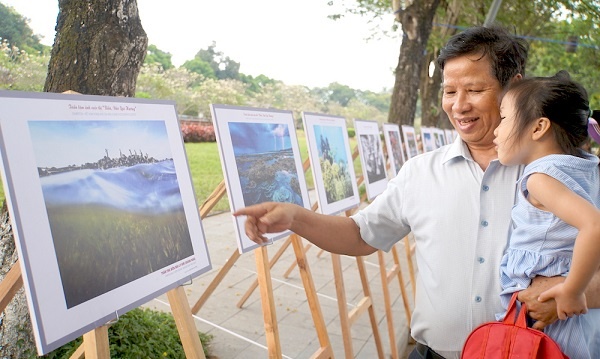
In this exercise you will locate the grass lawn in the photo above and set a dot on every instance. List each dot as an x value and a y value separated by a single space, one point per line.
206 171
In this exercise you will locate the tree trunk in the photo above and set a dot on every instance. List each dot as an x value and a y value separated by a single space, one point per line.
99 48
416 22
432 114
16 337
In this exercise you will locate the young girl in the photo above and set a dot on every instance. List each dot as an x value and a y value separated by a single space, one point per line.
556 221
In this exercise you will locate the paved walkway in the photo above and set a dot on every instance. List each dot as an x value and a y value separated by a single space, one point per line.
239 332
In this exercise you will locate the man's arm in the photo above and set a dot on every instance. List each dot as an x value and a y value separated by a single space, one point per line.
545 313
335 234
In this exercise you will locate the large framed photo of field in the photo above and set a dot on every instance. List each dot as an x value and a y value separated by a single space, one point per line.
261 161
391 135
102 206
331 162
371 157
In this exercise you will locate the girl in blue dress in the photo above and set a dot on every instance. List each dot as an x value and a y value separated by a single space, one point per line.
556 221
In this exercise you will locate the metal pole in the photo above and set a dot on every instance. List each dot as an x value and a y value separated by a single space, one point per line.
491 15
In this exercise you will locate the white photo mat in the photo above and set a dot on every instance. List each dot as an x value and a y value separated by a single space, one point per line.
428 138
410 141
393 144
49 145
262 142
328 146
371 157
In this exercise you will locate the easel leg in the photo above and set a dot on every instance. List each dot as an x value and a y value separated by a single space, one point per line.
342 305
96 343
387 303
407 310
215 282
272 262
185 323
411 269
268 303
365 284
313 302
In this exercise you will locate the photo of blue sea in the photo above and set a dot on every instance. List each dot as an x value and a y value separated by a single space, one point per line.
113 202
265 162
334 162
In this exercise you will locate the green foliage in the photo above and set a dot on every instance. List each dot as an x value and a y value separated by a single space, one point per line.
351 132
258 83
156 56
14 28
20 70
139 333
201 67
222 66
336 178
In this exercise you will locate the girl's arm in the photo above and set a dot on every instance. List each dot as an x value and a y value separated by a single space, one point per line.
551 195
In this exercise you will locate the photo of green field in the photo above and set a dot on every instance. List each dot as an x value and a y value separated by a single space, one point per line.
99 249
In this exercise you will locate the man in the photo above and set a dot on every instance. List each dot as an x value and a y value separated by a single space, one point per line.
455 200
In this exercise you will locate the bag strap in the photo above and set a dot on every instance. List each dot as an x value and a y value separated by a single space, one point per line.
511 316
511 312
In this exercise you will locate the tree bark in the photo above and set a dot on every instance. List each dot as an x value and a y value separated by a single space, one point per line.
416 20
431 110
99 48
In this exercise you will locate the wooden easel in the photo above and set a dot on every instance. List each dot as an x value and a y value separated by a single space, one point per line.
387 276
365 304
95 343
264 282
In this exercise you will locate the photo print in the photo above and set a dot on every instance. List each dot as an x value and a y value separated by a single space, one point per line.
429 138
371 156
103 207
331 162
410 141
261 161
391 134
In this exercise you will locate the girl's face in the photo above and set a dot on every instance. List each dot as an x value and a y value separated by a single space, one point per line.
511 146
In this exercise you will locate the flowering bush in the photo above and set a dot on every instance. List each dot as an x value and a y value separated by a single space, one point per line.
193 132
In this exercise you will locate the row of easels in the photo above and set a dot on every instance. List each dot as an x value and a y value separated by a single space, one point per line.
347 317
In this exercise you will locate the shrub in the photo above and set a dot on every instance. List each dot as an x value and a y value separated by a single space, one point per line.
139 333
351 132
193 132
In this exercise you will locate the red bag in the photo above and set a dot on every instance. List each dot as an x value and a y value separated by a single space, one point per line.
510 339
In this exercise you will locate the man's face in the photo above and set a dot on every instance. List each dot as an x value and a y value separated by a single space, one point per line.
471 99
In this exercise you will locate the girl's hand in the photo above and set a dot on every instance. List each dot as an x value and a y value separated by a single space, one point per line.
567 304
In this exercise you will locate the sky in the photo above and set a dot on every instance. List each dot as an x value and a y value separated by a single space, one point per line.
285 40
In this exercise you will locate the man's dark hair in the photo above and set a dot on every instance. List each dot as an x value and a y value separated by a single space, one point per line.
507 53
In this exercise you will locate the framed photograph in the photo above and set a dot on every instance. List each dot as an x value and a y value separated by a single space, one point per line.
410 141
393 144
428 138
102 206
449 136
371 157
261 161
440 137
331 162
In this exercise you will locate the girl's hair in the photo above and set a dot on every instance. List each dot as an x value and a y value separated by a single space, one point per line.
563 101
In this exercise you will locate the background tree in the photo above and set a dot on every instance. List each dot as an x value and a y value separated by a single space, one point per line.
157 56
15 29
99 48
